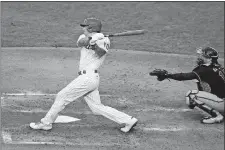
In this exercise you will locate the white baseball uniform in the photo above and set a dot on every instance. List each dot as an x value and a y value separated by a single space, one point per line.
86 85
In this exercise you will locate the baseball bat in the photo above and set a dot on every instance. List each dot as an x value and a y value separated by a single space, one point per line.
127 33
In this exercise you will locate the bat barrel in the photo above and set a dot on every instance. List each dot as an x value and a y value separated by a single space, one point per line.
127 33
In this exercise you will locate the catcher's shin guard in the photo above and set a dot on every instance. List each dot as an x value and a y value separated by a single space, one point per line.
191 101
216 117
207 109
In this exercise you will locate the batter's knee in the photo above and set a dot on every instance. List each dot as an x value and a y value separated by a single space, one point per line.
61 97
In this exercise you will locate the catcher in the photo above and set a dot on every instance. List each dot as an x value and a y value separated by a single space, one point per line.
210 95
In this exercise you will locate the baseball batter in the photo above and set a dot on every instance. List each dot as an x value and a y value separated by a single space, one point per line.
94 47
209 74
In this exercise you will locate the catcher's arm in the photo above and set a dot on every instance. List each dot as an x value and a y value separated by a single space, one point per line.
163 74
182 76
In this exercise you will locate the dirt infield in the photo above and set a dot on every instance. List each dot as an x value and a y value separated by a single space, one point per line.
164 120
37 61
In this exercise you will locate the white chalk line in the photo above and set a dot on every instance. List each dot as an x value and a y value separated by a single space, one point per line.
68 143
158 108
145 129
40 94
155 128
38 110
163 129
60 143
7 139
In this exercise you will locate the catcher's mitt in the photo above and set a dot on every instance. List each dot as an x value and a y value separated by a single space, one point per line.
160 73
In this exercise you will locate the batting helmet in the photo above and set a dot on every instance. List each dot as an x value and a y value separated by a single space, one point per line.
208 52
93 24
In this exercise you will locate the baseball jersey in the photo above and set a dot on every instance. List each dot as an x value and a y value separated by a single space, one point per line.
212 75
89 60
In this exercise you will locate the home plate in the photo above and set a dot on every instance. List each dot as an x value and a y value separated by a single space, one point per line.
65 119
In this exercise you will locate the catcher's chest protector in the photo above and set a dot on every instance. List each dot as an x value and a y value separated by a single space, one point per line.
220 72
211 79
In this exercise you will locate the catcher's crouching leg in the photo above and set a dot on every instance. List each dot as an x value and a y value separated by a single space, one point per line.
190 98
207 102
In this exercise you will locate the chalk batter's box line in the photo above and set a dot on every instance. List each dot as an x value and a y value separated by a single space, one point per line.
41 94
7 139
104 95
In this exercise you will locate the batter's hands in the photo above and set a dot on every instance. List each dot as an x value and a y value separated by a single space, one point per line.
84 42
96 37
161 74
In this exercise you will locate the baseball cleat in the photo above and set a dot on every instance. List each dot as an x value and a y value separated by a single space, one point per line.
130 125
211 120
40 126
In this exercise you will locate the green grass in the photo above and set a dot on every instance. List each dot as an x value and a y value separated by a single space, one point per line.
176 27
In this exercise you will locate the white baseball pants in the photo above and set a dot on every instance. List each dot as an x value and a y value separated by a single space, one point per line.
84 85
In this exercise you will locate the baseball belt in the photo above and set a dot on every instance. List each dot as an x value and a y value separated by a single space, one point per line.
84 72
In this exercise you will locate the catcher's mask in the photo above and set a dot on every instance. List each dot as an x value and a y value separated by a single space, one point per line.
93 24
206 54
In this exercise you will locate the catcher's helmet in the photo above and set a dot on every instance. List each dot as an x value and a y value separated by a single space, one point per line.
93 24
208 52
